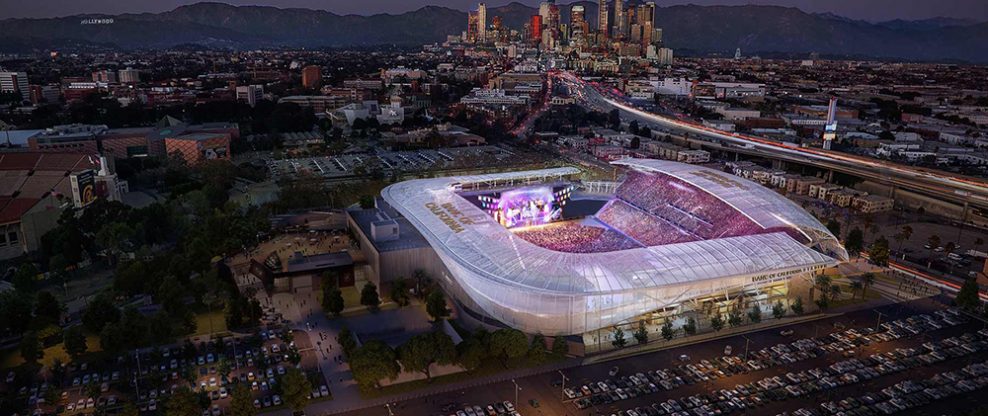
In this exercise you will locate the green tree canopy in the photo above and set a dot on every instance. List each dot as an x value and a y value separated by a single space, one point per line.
295 388
373 362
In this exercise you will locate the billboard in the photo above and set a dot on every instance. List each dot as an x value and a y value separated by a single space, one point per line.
83 187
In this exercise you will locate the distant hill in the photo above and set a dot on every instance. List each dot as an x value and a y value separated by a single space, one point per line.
767 30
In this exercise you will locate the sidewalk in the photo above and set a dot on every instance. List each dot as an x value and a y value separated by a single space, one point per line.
697 339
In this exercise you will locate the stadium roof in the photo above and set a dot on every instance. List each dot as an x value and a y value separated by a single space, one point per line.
509 277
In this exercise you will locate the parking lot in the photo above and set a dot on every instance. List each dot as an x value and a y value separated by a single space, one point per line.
474 157
803 365
257 361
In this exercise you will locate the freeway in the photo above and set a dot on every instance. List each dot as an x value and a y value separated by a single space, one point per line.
939 184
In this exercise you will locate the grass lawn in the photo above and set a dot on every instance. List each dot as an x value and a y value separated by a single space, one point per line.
207 322
11 358
493 367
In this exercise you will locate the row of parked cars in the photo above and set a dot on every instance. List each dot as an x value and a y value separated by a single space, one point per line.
905 395
797 384
625 387
504 408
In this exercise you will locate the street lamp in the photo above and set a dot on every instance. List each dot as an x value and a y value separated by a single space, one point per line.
517 389
746 341
879 323
563 391
390 413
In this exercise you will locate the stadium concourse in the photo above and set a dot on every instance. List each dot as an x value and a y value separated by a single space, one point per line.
670 240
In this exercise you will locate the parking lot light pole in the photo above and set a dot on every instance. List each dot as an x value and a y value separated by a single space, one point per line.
517 389
879 324
746 341
390 413
562 391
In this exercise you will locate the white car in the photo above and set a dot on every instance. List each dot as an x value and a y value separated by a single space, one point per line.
276 399
728 350
614 371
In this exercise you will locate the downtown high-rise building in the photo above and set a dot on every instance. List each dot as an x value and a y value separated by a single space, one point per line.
619 20
482 22
473 31
578 21
311 76
536 28
602 20
15 82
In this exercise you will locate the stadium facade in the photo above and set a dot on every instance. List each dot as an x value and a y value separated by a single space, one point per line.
543 252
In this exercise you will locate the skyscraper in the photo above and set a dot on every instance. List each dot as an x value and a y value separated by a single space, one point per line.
536 27
618 19
472 27
577 20
15 82
311 76
602 20
482 22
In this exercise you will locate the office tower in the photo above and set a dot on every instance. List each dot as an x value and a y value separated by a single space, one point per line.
602 20
536 27
830 129
646 13
553 23
578 21
636 33
618 19
544 11
250 94
130 76
472 27
15 82
311 76
482 22
107 76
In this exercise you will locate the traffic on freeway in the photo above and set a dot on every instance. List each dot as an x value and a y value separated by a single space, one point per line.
970 189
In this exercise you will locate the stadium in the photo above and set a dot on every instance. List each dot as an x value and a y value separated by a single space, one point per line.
544 252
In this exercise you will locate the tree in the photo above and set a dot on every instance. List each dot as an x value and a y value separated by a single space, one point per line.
559 347
641 333
242 403
508 344
373 362
834 227
879 252
856 287
668 332
100 312
399 292
422 350
797 306
471 353
618 340
183 403
867 280
47 308
347 343
934 241
15 312
855 241
26 277
536 351
332 300
734 318
835 292
369 297
690 326
295 389
435 305
755 314
778 310
822 283
74 341
716 322
31 347
967 296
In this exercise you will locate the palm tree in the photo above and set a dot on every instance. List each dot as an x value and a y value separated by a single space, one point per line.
835 292
867 280
855 288
822 283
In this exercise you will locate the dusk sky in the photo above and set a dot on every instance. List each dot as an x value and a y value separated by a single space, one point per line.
874 10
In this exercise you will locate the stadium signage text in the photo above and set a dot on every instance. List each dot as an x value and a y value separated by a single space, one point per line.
452 217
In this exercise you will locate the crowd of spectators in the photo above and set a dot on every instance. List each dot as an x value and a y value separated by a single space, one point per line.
573 237
639 225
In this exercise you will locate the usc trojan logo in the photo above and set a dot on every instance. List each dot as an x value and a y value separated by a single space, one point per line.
88 194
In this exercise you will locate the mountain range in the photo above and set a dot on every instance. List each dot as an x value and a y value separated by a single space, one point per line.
697 30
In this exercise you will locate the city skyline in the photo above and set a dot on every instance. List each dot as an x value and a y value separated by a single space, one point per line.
879 10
